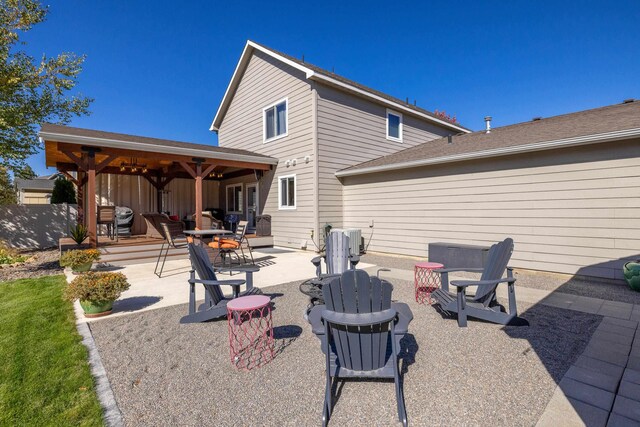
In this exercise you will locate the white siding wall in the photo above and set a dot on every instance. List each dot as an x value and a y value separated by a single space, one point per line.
569 211
264 82
352 130
138 194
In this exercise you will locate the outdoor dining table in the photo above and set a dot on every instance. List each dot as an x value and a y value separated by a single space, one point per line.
213 232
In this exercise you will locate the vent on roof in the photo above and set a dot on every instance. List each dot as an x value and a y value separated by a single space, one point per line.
487 121
535 119
628 101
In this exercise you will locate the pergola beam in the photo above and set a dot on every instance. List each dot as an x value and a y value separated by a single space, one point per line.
70 148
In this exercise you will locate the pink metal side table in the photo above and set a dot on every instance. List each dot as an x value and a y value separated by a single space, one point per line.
426 280
250 331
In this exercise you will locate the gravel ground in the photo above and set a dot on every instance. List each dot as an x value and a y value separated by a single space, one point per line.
164 373
577 285
39 263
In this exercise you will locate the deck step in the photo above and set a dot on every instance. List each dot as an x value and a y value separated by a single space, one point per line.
141 259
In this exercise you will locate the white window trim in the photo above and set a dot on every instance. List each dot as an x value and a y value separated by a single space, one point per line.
295 192
264 120
226 195
400 127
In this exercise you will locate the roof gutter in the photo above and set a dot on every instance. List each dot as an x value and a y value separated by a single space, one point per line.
128 145
504 151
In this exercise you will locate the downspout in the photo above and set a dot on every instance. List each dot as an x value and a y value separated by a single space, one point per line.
316 163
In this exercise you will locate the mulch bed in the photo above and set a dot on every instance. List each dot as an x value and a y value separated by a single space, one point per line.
39 263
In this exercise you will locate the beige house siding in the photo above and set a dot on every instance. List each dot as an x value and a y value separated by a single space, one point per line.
264 82
34 197
138 194
570 211
352 130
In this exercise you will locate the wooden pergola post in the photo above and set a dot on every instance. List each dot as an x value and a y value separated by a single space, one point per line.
198 174
92 219
199 195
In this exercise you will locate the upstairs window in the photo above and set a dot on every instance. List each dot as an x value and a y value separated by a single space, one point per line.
394 126
234 198
275 120
287 192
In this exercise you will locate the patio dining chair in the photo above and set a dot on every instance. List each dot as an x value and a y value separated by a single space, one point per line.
173 239
107 216
228 245
215 303
360 331
483 305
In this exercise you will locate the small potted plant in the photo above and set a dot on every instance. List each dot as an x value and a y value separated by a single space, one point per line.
96 291
631 271
79 260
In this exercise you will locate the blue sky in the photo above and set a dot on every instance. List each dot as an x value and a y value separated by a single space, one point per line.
157 69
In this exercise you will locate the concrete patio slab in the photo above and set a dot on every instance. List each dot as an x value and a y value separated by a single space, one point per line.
594 378
572 412
631 375
599 366
627 408
149 292
586 393
630 390
617 420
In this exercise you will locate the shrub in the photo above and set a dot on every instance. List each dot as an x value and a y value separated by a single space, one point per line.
9 255
78 257
97 287
63 192
79 233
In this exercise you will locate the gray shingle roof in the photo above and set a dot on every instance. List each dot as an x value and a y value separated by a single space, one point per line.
602 120
34 184
90 133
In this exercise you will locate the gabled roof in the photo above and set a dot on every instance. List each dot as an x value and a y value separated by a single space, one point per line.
315 73
605 124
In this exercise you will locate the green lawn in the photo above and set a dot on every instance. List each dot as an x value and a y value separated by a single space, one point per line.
44 374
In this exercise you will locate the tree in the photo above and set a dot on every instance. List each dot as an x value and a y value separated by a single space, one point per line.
31 91
7 191
26 173
63 191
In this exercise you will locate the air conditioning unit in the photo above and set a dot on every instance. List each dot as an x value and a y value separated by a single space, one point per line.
356 246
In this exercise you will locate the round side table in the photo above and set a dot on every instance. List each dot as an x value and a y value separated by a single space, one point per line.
251 341
426 280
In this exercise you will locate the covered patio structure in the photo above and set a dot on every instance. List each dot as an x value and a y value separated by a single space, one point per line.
109 168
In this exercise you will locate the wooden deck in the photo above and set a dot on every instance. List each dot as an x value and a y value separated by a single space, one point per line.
140 249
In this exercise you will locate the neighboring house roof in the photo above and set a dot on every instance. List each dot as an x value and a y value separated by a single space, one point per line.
34 184
611 123
119 140
50 177
315 73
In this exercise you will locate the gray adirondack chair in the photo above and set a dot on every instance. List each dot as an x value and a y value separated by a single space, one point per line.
360 330
337 256
483 304
215 303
